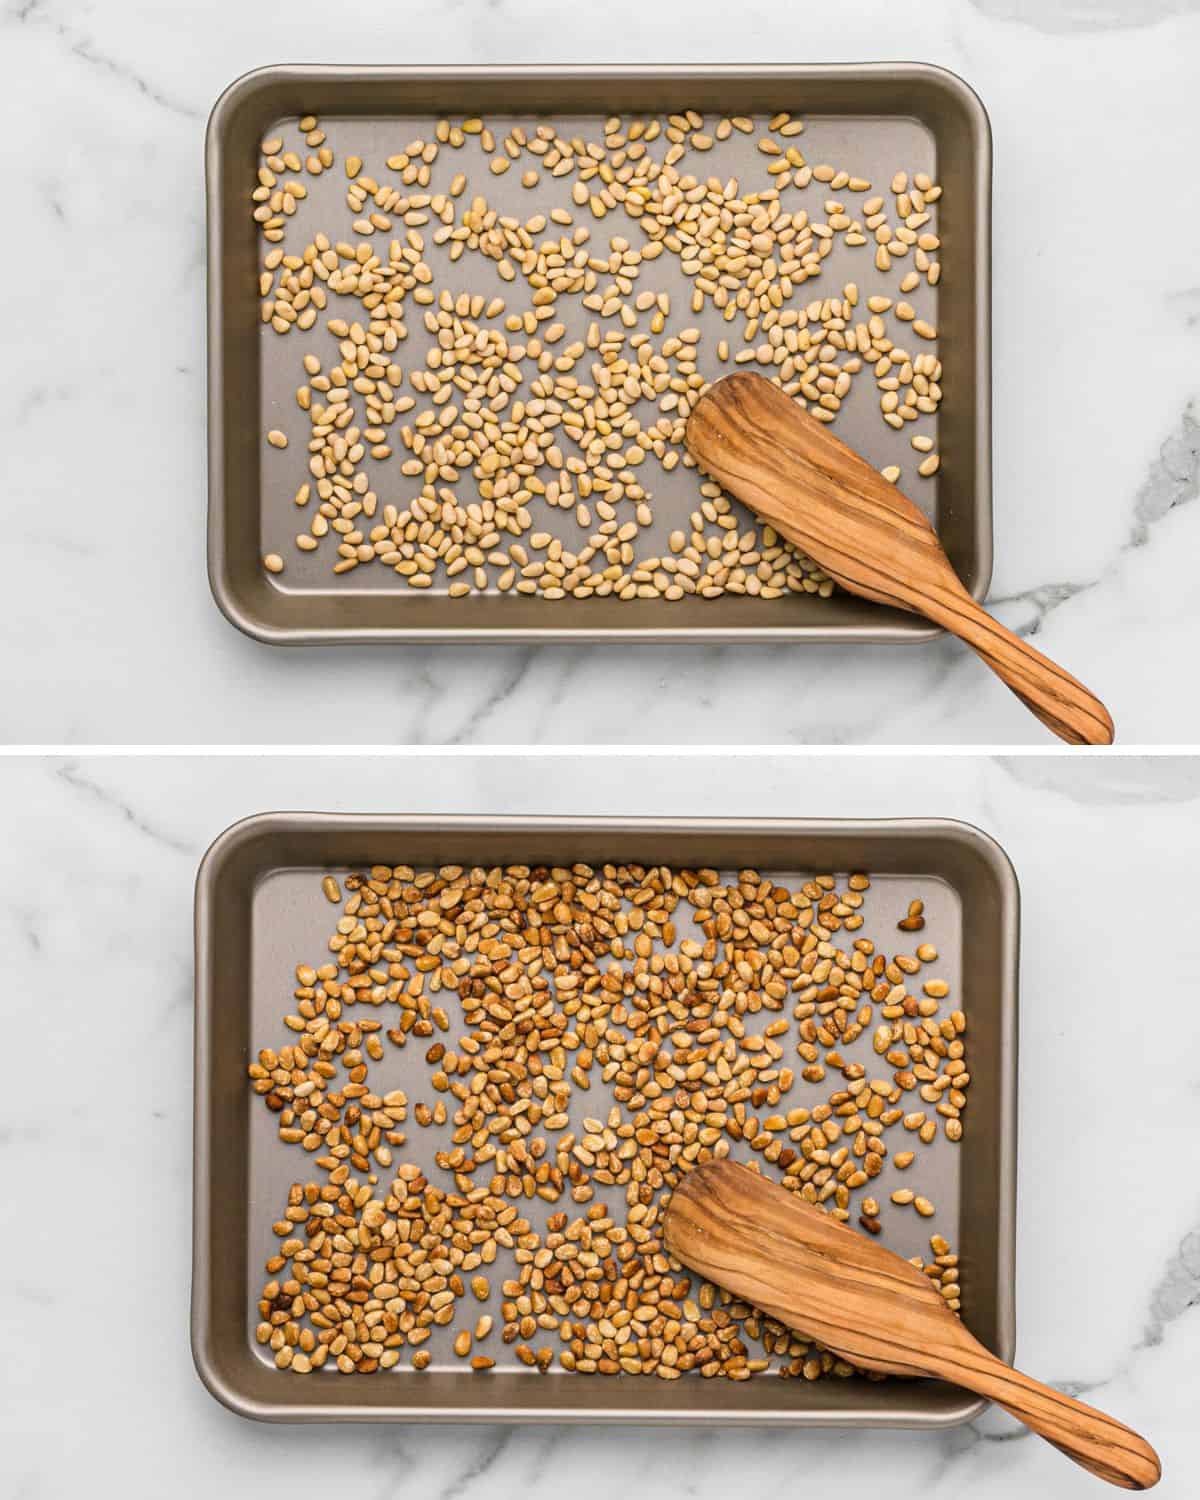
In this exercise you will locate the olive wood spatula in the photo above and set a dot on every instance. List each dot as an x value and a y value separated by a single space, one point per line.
873 1308
765 449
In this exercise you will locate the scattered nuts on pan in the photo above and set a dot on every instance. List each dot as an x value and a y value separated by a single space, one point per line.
915 919
514 457
671 1003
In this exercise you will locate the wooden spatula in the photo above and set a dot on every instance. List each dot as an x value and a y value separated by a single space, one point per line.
865 1303
763 448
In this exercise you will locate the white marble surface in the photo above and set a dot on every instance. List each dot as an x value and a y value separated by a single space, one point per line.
108 633
97 1391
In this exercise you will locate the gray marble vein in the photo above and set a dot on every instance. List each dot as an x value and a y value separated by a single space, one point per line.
80 780
40 13
506 683
1178 1290
87 53
1127 782
474 1477
1070 17
1173 480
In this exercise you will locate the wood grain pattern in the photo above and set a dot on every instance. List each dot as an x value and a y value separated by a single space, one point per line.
868 536
832 1283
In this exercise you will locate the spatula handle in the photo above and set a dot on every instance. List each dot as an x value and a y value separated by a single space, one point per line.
1103 1446
1059 700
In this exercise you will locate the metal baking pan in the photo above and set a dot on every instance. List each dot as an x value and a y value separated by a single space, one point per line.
871 117
259 907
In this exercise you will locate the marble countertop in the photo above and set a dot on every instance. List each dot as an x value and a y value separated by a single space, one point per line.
98 1394
109 634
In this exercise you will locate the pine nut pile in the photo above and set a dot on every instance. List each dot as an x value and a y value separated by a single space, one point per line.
714 1014
517 450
